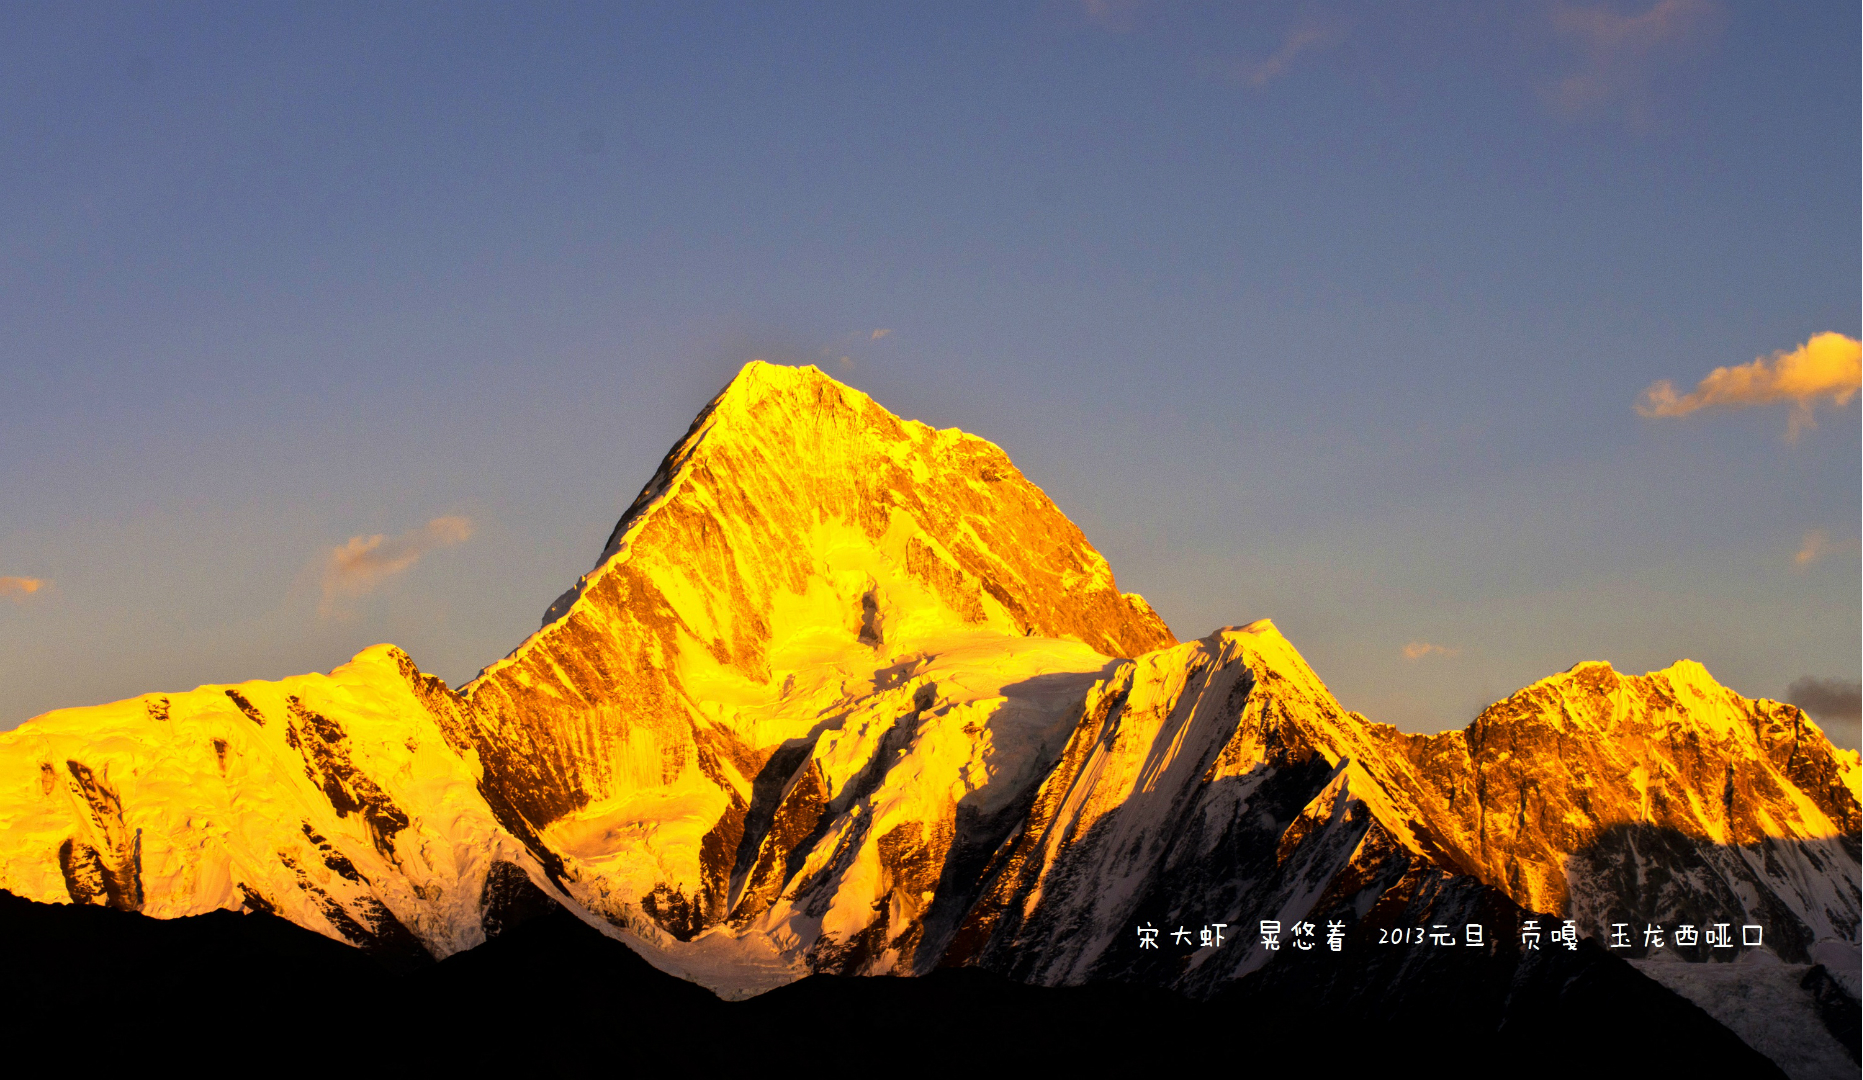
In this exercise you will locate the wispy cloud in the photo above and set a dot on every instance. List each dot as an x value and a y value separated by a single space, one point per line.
1816 546
880 333
364 563
1417 650
1827 368
1828 700
1303 38
1114 15
1621 53
18 589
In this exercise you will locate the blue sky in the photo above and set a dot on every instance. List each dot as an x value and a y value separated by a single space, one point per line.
1337 314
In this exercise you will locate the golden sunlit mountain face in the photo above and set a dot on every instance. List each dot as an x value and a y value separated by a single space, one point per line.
847 694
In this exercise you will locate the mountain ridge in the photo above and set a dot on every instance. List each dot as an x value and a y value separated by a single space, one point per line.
847 694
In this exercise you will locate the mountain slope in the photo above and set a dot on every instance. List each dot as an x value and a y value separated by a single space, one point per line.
798 540
1664 798
335 800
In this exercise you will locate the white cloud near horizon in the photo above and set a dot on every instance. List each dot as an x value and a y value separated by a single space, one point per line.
362 564
18 589
1622 52
1417 650
1826 368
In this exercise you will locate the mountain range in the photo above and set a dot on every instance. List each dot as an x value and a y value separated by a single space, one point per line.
845 695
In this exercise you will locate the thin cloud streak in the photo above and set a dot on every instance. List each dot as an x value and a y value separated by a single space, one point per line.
1114 15
1827 368
364 563
1304 38
17 589
1417 650
1621 51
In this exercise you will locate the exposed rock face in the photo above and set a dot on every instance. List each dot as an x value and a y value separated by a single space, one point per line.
799 538
847 694
1664 798
339 801
1219 781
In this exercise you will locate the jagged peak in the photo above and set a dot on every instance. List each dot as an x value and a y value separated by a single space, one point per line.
731 408
378 663
759 381
382 654
1259 635
1703 700
775 432
1691 677
1683 674
762 378
1267 650
1562 681
740 408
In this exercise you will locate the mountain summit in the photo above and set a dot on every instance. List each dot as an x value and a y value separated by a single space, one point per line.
844 693
798 552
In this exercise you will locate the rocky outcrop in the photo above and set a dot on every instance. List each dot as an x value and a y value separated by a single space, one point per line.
337 801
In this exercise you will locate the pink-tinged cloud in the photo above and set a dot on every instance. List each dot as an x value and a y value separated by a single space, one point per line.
1816 546
1417 650
1304 38
880 333
1114 15
1624 52
364 563
18 589
1828 369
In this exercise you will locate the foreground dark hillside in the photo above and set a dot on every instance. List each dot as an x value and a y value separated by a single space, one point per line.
256 994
